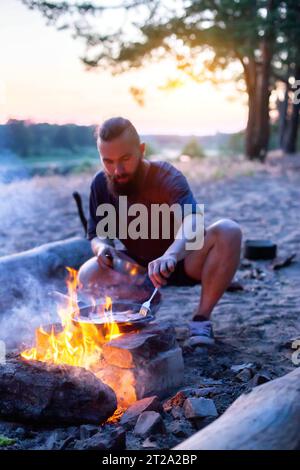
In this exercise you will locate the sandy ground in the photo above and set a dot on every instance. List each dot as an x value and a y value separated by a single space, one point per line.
255 325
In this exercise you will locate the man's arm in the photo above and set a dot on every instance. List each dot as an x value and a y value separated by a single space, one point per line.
98 244
190 231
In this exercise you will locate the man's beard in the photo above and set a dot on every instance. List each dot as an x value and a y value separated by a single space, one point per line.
132 186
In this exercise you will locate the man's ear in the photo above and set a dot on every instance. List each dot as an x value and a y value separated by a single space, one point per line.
142 148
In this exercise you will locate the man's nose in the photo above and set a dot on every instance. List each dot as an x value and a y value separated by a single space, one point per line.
119 169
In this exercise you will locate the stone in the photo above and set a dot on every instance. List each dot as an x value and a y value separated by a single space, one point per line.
66 443
52 441
259 379
200 392
161 375
136 349
112 440
199 408
148 423
88 430
244 376
177 412
149 444
180 428
20 433
175 401
182 333
239 367
133 412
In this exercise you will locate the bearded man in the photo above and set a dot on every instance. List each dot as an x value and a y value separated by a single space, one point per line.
171 261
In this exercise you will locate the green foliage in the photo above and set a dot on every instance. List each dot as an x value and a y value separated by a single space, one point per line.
193 149
235 144
150 150
28 140
6 441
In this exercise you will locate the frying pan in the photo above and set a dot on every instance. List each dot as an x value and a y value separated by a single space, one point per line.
125 314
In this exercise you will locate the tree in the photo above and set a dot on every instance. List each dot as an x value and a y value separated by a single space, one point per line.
193 149
287 70
19 137
242 31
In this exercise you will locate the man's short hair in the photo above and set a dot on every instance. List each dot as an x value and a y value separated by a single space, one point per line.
114 127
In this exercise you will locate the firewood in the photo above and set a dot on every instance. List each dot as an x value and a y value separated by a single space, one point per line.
36 392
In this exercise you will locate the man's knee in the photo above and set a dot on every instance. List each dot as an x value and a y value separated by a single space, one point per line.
228 231
88 271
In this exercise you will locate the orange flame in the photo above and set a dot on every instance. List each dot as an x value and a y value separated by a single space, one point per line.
76 344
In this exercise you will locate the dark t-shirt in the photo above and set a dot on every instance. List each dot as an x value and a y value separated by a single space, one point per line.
163 184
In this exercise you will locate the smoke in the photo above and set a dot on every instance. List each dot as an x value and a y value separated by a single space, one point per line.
31 308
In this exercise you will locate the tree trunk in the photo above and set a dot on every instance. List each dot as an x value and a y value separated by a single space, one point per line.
290 140
283 108
258 85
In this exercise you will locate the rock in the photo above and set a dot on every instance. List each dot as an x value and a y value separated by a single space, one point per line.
20 433
176 400
200 392
149 444
133 412
177 412
244 376
52 441
182 333
199 408
259 379
66 443
180 428
133 350
235 286
87 431
239 367
33 391
160 375
112 440
149 422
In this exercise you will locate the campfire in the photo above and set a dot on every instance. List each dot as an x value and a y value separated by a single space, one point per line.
80 344
94 364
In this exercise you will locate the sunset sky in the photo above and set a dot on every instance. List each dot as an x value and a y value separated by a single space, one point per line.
42 79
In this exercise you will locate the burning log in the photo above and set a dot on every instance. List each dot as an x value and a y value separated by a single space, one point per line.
266 419
36 392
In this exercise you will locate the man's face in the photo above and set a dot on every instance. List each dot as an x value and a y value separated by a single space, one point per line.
121 157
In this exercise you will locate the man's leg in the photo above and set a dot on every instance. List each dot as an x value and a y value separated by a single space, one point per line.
215 264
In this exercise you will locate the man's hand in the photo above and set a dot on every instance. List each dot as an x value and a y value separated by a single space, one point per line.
105 254
161 268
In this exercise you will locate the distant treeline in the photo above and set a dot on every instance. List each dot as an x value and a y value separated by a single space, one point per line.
26 139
